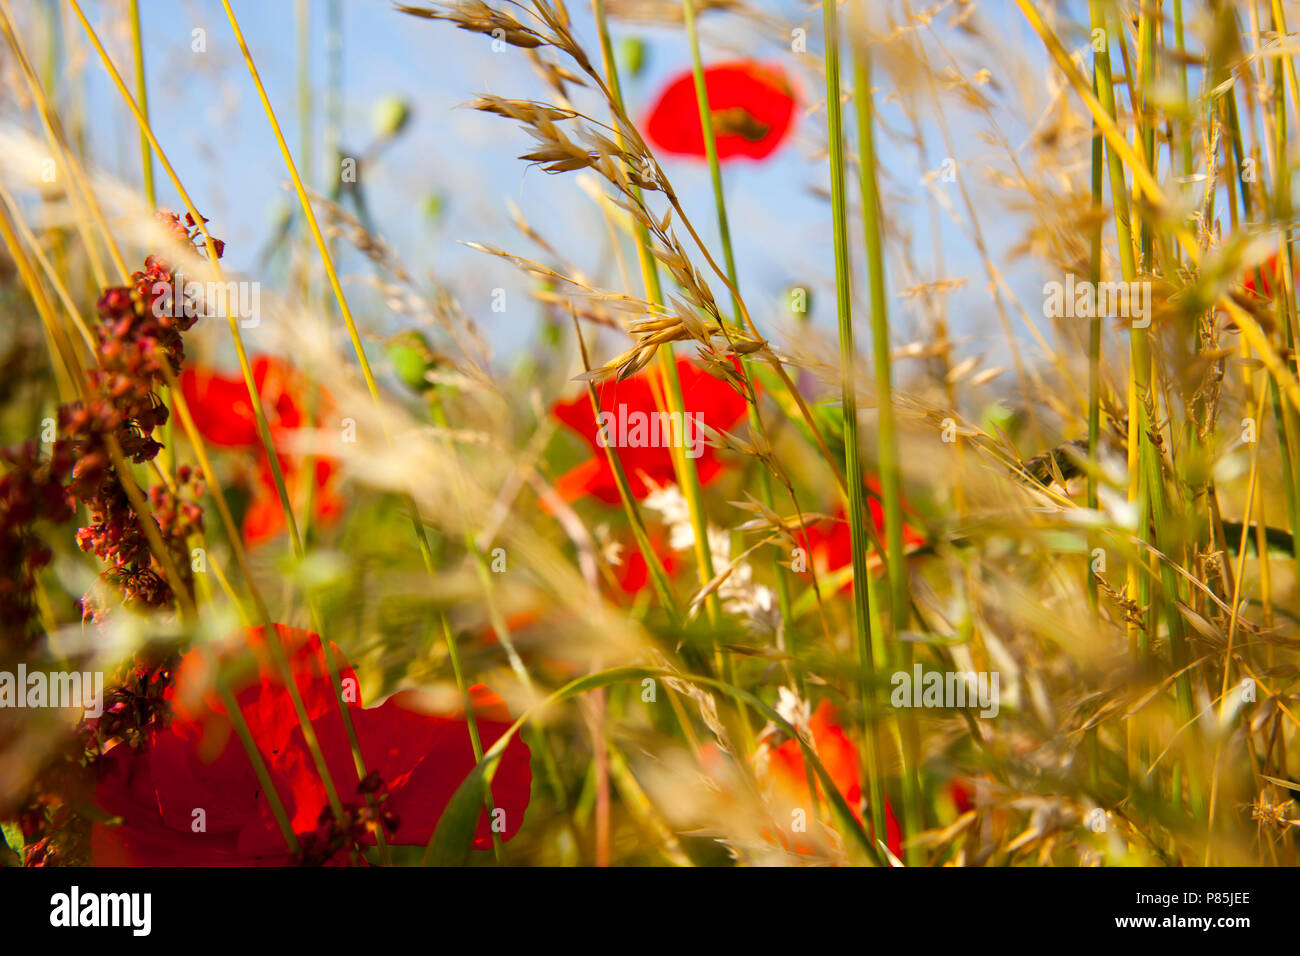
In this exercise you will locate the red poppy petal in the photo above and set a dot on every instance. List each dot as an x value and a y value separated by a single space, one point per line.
199 763
424 757
279 384
577 414
633 574
1261 281
219 782
592 477
421 757
703 394
595 478
752 107
328 505
196 763
837 753
143 837
893 832
268 703
130 844
264 519
220 407
258 685
961 797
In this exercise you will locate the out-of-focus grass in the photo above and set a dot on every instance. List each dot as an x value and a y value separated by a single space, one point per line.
1084 522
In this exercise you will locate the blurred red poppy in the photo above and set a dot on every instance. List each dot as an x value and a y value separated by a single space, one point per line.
190 796
264 518
752 108
831 550
224 416
962 800
634 574
1262 280
840 758
632 429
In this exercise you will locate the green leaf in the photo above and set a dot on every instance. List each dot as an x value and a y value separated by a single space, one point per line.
13 835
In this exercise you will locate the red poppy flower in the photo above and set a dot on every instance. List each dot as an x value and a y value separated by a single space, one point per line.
831 550
752 108
962 800
840 758
224 416
221 410
633 429
634 574
220 407
197 763
264 518
1261 281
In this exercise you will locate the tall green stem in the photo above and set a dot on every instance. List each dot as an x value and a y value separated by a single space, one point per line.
687 475
849 399
1094 341
142 94
724 232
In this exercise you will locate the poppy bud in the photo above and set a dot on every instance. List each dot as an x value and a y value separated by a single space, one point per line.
632 54
412 360
390 116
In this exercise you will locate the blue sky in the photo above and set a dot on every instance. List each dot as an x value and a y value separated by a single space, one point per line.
205 111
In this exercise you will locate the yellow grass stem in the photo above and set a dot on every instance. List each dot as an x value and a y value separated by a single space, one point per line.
142 94
729 257
51 274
